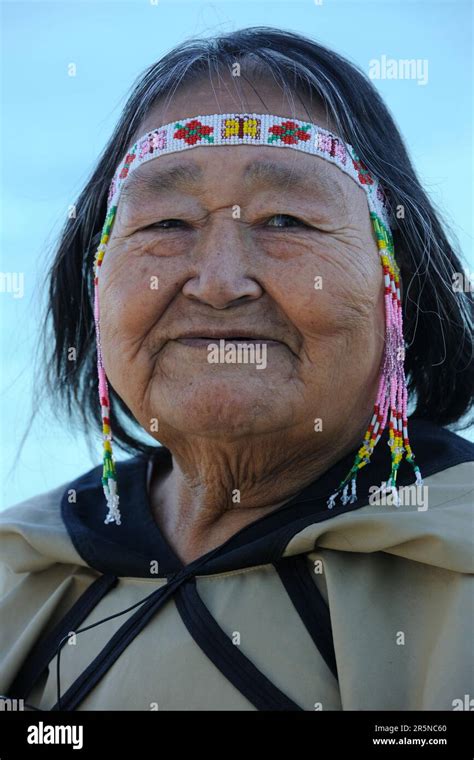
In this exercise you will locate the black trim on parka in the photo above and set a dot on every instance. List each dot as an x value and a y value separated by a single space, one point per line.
128 550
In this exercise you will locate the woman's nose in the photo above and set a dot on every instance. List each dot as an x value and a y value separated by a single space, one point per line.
224 267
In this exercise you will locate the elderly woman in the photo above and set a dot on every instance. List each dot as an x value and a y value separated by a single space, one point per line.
270 290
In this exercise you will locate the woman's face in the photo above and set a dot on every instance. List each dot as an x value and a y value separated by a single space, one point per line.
272 245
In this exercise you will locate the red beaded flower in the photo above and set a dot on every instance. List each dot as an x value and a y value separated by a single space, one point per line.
289 133
129 158
193 131
363 172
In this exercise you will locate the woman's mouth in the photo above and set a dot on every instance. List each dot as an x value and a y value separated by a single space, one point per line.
198 341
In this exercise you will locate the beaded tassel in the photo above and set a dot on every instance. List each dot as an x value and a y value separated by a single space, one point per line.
392 393
109 475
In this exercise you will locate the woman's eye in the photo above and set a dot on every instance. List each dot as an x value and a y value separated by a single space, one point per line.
165 224
285 220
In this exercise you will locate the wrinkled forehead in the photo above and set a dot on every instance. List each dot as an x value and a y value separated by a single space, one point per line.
238 172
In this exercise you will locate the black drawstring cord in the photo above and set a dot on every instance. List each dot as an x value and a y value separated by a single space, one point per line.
102 585
81 630
173 581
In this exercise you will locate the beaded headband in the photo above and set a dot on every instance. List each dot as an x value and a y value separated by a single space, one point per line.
280 132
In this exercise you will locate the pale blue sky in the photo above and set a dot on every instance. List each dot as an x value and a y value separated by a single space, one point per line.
54 126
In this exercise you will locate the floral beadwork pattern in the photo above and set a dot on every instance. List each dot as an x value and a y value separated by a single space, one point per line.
193 131
289 133
362 172
129 158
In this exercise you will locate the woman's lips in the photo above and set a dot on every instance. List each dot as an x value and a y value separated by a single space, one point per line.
198 342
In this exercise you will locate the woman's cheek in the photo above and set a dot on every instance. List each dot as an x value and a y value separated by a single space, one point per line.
125 287
131 303
326 293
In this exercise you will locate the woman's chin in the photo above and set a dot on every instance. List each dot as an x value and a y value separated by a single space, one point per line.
224 410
